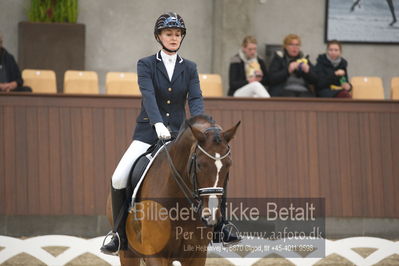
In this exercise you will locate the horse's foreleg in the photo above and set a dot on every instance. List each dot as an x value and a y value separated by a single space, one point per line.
127 258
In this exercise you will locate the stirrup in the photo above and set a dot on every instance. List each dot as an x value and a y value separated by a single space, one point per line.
113 234
239 238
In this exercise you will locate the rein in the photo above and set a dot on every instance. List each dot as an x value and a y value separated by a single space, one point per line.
191 196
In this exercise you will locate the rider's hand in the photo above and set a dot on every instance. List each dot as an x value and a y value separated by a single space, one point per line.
162 131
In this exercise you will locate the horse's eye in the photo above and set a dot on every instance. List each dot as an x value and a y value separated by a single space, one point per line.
201 165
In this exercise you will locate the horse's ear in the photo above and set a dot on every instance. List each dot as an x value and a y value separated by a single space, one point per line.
229 134
197 134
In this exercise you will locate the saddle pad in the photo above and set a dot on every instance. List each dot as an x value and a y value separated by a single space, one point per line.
140 169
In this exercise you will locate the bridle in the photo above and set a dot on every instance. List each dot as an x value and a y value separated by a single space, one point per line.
194 195
207 190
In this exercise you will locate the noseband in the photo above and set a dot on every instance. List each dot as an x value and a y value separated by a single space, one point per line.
194 195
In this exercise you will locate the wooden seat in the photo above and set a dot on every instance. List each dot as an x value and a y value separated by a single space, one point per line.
211 85
367 88
395 88
41 81
81 82
122 83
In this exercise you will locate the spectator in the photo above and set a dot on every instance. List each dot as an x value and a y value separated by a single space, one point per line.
332 74
10 76
247 73
290 73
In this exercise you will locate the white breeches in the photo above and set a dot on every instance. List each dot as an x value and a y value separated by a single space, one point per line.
253 89
121 173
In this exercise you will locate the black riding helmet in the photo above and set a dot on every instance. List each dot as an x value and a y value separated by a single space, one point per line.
170 20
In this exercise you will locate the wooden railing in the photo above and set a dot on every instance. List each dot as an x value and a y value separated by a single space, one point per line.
58 152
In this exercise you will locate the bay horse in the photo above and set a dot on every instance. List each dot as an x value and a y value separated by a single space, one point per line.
193 171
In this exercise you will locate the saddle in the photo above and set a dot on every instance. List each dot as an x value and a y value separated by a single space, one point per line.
140 169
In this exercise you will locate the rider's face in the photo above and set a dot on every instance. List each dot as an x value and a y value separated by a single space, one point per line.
171 38
334 51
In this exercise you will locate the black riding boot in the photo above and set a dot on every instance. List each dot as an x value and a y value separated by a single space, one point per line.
118 201
225 231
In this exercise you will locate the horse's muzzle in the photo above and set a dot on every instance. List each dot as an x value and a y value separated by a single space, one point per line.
208 220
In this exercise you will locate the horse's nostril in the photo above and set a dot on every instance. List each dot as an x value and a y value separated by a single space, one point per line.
208 221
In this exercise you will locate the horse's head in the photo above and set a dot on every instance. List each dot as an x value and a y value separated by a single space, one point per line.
210 164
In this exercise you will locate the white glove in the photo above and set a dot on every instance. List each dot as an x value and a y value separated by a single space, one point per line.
162 131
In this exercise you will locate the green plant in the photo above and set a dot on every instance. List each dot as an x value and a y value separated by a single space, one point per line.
53 11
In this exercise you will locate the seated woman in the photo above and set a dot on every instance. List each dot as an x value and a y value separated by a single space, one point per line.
10 75
332 73
247 72
290 73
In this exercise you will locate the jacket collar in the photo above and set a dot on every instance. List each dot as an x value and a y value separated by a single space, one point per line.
178 67
179 59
